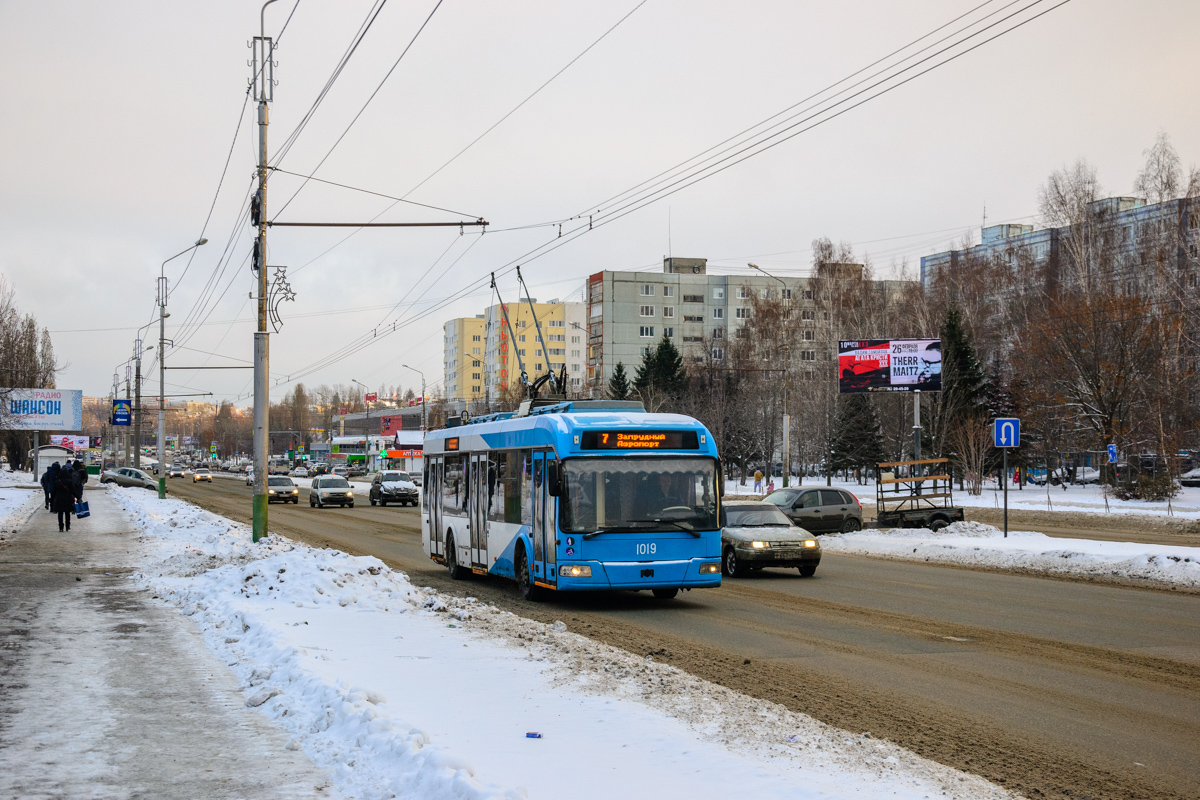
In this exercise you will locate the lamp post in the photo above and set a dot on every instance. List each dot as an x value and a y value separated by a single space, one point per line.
787 361
422 374
367 403
162 379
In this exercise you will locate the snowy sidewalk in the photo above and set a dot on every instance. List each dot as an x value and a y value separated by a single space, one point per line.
107 694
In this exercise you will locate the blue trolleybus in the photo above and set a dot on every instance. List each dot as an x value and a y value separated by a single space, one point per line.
576 495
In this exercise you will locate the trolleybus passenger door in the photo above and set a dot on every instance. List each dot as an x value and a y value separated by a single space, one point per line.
477 512
432 496
542 523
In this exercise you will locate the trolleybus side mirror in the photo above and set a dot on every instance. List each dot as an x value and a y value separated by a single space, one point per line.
720 478
552 481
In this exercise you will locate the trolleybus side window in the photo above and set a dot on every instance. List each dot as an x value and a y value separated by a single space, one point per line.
454 486
508 486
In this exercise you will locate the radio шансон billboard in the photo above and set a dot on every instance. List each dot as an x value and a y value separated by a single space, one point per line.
890 365
43 410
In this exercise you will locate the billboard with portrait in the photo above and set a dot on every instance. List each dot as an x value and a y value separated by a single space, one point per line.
890 365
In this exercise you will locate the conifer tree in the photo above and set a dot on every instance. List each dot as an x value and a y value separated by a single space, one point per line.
857 441
618 384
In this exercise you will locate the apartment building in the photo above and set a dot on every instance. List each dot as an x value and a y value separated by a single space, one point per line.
628 312
485 353
463 357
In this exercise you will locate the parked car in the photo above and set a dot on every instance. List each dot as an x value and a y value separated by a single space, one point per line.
129 476
356 471
393 486
330 490
250 477
757 534
1191 478
417 478
202 474
300 472
819 510
280 488
176 471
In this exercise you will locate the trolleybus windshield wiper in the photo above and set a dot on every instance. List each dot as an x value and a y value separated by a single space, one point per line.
621 528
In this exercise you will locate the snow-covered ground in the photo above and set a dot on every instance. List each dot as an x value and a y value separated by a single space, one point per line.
1088 499
977 544
12 505
401 691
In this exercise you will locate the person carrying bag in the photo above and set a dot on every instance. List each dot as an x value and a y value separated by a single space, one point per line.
65 493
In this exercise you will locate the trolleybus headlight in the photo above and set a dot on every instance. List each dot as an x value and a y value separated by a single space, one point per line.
810 542
575 571
760 545
710 569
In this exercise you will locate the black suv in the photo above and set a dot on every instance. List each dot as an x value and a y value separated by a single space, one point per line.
393 486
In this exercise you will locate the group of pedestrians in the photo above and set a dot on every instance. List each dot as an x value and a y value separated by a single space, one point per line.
63 485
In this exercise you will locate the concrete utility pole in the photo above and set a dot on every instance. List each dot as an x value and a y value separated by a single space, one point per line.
263 90
137 404
128 456
787 362
162 370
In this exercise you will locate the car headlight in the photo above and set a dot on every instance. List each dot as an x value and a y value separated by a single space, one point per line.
710 569
295 491
349 494
270 491
810 542
575 571
760 545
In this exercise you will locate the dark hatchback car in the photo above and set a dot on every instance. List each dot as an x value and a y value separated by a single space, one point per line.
393 486
819 511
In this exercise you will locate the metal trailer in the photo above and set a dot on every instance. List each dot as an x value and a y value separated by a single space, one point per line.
915 494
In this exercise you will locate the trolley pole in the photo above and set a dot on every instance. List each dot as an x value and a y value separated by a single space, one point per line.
263 82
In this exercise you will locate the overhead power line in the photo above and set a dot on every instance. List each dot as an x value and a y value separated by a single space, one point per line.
687 178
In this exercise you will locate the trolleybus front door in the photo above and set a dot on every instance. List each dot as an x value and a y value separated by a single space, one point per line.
477 511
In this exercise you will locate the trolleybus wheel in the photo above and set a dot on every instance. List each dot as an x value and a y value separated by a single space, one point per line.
457 573
665 594
525 583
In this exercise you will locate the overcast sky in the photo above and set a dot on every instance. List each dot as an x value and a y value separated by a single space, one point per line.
116 120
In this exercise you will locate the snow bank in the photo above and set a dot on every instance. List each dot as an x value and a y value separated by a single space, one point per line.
977 544
15 505
402 691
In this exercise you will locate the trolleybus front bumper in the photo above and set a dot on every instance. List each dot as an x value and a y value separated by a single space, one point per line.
692 573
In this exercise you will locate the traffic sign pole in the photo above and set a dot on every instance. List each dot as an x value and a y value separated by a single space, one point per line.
1006 493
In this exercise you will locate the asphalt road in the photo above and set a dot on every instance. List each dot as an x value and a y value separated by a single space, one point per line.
1052 688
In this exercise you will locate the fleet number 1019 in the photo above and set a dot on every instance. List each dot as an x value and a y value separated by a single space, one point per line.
647 549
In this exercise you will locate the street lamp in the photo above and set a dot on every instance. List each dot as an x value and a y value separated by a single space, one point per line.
162 378
366 402
422 374
787 361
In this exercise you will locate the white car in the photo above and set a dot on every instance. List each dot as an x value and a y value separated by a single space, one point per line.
330 490
300 472
201 474
250 477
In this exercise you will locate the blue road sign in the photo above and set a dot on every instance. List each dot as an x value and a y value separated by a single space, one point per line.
120 412
1112 454
1007 432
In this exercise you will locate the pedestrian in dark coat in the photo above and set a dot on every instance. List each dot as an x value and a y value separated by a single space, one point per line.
66 490
48 482
80 473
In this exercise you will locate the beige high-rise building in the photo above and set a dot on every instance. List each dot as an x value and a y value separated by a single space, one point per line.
484 354
463 343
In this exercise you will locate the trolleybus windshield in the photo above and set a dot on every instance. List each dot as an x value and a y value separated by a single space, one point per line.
639 494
